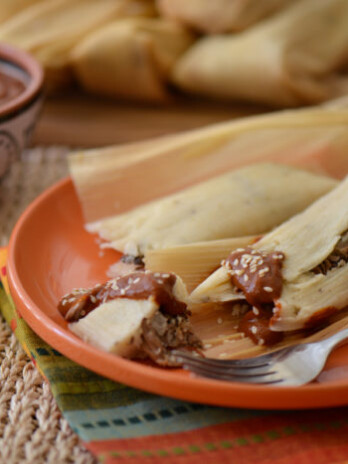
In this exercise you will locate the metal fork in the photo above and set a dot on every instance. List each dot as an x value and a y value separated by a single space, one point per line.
295 365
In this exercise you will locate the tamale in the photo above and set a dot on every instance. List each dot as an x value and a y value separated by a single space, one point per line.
296 57
248 201
50 29
219 16
311 281
136 315
130 58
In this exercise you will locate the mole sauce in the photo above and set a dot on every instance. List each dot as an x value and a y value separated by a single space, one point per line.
137 285
258 275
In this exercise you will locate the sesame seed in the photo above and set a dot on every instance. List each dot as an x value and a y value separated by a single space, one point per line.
135 281
246 278
261 341
165 276
239 272
253 329
219 320
157 274
160 281
256 311
123 291
268 289
236 262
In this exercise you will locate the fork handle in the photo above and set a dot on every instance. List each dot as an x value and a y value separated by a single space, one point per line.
336 339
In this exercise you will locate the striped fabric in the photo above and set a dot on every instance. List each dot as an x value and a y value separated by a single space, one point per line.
120 424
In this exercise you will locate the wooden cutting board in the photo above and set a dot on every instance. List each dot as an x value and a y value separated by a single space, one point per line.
78 120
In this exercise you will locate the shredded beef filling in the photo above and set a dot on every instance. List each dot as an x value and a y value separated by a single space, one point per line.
164 333
338 258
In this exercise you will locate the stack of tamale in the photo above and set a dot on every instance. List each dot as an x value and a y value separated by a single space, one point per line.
276 52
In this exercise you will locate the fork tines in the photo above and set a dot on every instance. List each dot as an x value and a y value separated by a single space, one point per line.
253 370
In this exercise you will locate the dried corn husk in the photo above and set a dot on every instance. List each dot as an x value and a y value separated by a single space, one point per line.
113 180
50 29
220 15
193 262
299 56
217 327
247 201
131 58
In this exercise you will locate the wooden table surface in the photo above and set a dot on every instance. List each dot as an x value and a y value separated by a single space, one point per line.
78 120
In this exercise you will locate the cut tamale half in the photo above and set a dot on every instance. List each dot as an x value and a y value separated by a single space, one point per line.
248 201
142 314
309 284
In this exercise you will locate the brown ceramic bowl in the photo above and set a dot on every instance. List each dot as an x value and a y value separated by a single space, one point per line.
21 83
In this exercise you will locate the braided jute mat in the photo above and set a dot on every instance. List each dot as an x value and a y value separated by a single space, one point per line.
32 429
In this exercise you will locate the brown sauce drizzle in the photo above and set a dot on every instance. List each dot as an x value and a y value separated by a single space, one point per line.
258 275
137 285
255 325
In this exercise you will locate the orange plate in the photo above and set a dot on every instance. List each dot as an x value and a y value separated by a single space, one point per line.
50 253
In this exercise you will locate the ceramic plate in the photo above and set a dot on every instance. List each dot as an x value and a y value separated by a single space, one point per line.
50 253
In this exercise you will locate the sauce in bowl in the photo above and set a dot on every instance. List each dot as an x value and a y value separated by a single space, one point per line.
13 82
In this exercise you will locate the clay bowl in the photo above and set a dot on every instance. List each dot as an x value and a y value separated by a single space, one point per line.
21 83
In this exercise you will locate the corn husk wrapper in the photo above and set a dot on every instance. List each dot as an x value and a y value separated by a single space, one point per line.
220 15
113 180
131 58
217 327
294 58
194 262
50 29
217 323
246 201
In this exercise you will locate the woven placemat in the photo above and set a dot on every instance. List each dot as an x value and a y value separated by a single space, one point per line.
32 429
